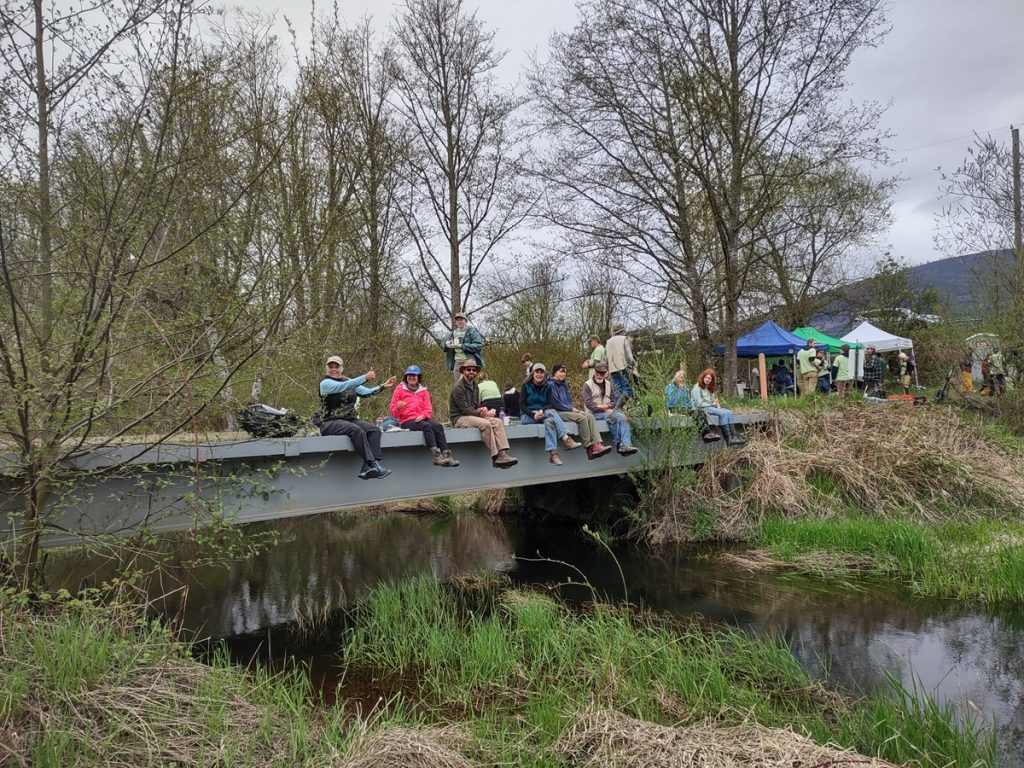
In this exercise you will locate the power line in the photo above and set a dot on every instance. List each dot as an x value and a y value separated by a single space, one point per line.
955 138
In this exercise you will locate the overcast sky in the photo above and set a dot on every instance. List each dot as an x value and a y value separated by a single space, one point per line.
948 67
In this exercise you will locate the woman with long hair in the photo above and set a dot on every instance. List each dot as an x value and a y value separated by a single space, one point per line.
706 401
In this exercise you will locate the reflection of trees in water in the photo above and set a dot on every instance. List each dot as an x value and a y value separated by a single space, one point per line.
319 564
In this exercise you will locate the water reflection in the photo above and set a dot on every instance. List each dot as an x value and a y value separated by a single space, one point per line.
851 636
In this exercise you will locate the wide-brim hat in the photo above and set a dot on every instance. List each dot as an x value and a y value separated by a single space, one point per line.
618 328
469 363
601 367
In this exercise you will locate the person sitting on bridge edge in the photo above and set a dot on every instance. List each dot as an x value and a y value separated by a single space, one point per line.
338 395
465 411
464 343
619 357
490 395
537 406
601 399
706 401
410 404
597 354
677 394
567 410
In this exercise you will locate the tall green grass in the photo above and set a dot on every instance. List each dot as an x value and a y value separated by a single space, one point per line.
981 561
520 667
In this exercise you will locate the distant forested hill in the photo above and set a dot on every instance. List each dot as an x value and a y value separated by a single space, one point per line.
959 279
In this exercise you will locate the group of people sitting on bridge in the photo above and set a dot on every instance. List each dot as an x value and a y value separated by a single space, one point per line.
543 398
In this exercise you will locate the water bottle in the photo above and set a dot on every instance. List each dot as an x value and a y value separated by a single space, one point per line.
503 417
380 423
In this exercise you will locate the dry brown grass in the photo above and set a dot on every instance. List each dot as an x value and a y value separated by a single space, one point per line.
602 739
407 748
889 460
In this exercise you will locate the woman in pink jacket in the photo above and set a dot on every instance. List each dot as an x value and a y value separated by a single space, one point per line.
410 404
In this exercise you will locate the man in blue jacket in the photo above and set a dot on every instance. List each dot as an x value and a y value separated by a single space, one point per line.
537 406
567 410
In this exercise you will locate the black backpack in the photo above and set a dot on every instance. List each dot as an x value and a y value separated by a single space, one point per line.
261 420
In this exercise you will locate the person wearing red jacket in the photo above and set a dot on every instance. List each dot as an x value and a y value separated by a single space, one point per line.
410 404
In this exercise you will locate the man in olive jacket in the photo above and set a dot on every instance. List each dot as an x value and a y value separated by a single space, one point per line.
465 410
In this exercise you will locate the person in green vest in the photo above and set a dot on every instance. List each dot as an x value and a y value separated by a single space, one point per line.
597 354
844 377
806 360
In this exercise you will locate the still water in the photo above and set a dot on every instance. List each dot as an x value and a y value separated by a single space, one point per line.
851 636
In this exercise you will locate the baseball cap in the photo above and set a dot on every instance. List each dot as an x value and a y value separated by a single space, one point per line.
335 359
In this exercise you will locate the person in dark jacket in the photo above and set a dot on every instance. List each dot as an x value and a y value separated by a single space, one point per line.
511 399
537 406
338 395
465 410
585 423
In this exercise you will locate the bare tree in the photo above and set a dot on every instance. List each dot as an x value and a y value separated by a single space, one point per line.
465 197
686 117
93 344
980 219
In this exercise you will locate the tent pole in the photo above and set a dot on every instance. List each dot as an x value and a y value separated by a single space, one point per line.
917 381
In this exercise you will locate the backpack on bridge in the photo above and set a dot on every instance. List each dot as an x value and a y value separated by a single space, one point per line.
261 420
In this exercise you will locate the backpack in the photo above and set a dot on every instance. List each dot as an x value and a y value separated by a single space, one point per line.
261 420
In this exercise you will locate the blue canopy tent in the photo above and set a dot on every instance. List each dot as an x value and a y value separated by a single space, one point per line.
771 340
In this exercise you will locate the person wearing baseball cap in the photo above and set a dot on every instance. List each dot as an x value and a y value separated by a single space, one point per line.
602 400
537 406
338 396
844 376
464 343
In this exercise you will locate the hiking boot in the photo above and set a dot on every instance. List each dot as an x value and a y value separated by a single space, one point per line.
597 450
570 444
554 458
503 459
381 472
731 436
439 459
626 449
368 472
449 460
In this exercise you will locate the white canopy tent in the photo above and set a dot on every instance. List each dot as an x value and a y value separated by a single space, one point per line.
873 336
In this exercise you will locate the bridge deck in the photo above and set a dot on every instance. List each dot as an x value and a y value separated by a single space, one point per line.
175 486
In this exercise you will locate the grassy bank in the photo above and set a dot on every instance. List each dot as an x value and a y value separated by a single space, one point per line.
461 676
928 495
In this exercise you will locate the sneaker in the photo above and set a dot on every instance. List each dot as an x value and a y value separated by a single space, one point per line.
626 449
570 444
597 450
381 472
370 473
554 458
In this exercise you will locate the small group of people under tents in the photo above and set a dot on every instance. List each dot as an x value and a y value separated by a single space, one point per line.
868 335
772 340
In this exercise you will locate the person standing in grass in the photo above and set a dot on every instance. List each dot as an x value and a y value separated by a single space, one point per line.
844 378
597 354
464 343
621 364
874 374
807 368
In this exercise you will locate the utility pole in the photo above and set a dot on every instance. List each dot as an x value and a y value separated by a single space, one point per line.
1018 251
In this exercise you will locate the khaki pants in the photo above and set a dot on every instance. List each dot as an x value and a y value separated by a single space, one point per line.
843 387
585 424
808 383
492 431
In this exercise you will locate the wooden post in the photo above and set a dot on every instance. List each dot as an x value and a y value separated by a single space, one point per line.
762 377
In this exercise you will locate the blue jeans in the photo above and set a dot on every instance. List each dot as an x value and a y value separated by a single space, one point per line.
724 415
618 424
622 382
554 427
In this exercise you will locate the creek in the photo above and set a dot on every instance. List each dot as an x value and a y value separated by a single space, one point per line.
850 634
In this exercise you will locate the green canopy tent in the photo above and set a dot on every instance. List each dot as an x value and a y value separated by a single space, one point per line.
810 332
